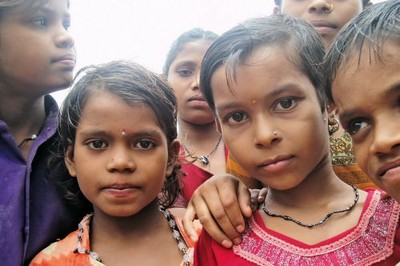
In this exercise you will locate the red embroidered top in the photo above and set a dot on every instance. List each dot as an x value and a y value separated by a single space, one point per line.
375 240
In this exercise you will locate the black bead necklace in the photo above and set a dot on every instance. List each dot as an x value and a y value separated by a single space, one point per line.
323 220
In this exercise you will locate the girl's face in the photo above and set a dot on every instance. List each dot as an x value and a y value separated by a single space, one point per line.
183 76
120 155
327 16
270 93
37 53
367 95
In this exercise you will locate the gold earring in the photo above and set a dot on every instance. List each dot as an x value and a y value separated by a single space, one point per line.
333 125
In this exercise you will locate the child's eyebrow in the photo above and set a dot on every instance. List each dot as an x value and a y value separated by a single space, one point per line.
104 133
285 88
50 11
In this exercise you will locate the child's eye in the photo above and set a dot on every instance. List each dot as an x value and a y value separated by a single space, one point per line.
144 144
236 117
286 103
355 126
67 24
96 144
185 72
41 22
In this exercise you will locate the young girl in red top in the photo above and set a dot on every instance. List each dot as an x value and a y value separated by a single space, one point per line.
203 152
265 81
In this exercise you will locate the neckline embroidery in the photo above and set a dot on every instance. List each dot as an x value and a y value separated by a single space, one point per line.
375 233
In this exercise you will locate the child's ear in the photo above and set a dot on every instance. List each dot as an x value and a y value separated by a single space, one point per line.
277 10
69 160
173 154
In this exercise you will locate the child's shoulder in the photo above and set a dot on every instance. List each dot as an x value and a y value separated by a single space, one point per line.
69 249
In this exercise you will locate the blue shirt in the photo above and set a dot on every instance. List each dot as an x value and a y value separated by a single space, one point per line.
33 213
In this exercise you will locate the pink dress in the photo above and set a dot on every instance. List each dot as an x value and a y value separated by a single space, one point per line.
375 240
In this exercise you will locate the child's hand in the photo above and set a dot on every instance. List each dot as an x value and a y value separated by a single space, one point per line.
257 197
219 203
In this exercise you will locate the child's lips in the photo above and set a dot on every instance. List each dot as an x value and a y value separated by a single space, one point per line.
276 164
121 190
68 60
323 27
390 169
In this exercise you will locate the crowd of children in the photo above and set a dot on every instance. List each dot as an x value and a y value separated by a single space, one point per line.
114 152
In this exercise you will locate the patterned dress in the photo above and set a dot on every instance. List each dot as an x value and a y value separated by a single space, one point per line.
74 249
375 240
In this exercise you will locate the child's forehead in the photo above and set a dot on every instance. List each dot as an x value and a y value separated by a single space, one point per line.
363 56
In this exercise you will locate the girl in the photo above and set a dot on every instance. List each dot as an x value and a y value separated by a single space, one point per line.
265 82
202 149
118 137
364 82
37 57
327 18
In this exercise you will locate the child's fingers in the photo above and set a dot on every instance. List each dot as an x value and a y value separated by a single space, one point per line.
208 209
187 221
262 195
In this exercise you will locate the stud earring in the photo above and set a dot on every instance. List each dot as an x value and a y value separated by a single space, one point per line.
330 8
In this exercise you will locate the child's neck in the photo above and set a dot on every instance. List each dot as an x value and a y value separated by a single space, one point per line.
119 241
188 132
317 187
24 117
104 226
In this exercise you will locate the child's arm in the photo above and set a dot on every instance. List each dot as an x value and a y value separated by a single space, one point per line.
220 204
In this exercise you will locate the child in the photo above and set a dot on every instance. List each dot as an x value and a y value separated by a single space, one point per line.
265 81
363 70
327 17
118 135
37 57
202 151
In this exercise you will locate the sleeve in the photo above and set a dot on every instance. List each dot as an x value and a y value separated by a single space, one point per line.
204 253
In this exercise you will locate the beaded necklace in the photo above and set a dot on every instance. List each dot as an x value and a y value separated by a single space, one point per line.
172 224
323 220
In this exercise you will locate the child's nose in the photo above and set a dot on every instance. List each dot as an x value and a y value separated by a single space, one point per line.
265 134
321 6
64 39
121 160
386 137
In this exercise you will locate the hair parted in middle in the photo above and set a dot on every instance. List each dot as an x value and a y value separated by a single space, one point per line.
133 84
193 35
302 43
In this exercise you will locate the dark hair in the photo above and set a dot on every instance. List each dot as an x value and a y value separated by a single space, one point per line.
6 5
364 2
133 84
303 45
192 35
371 29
